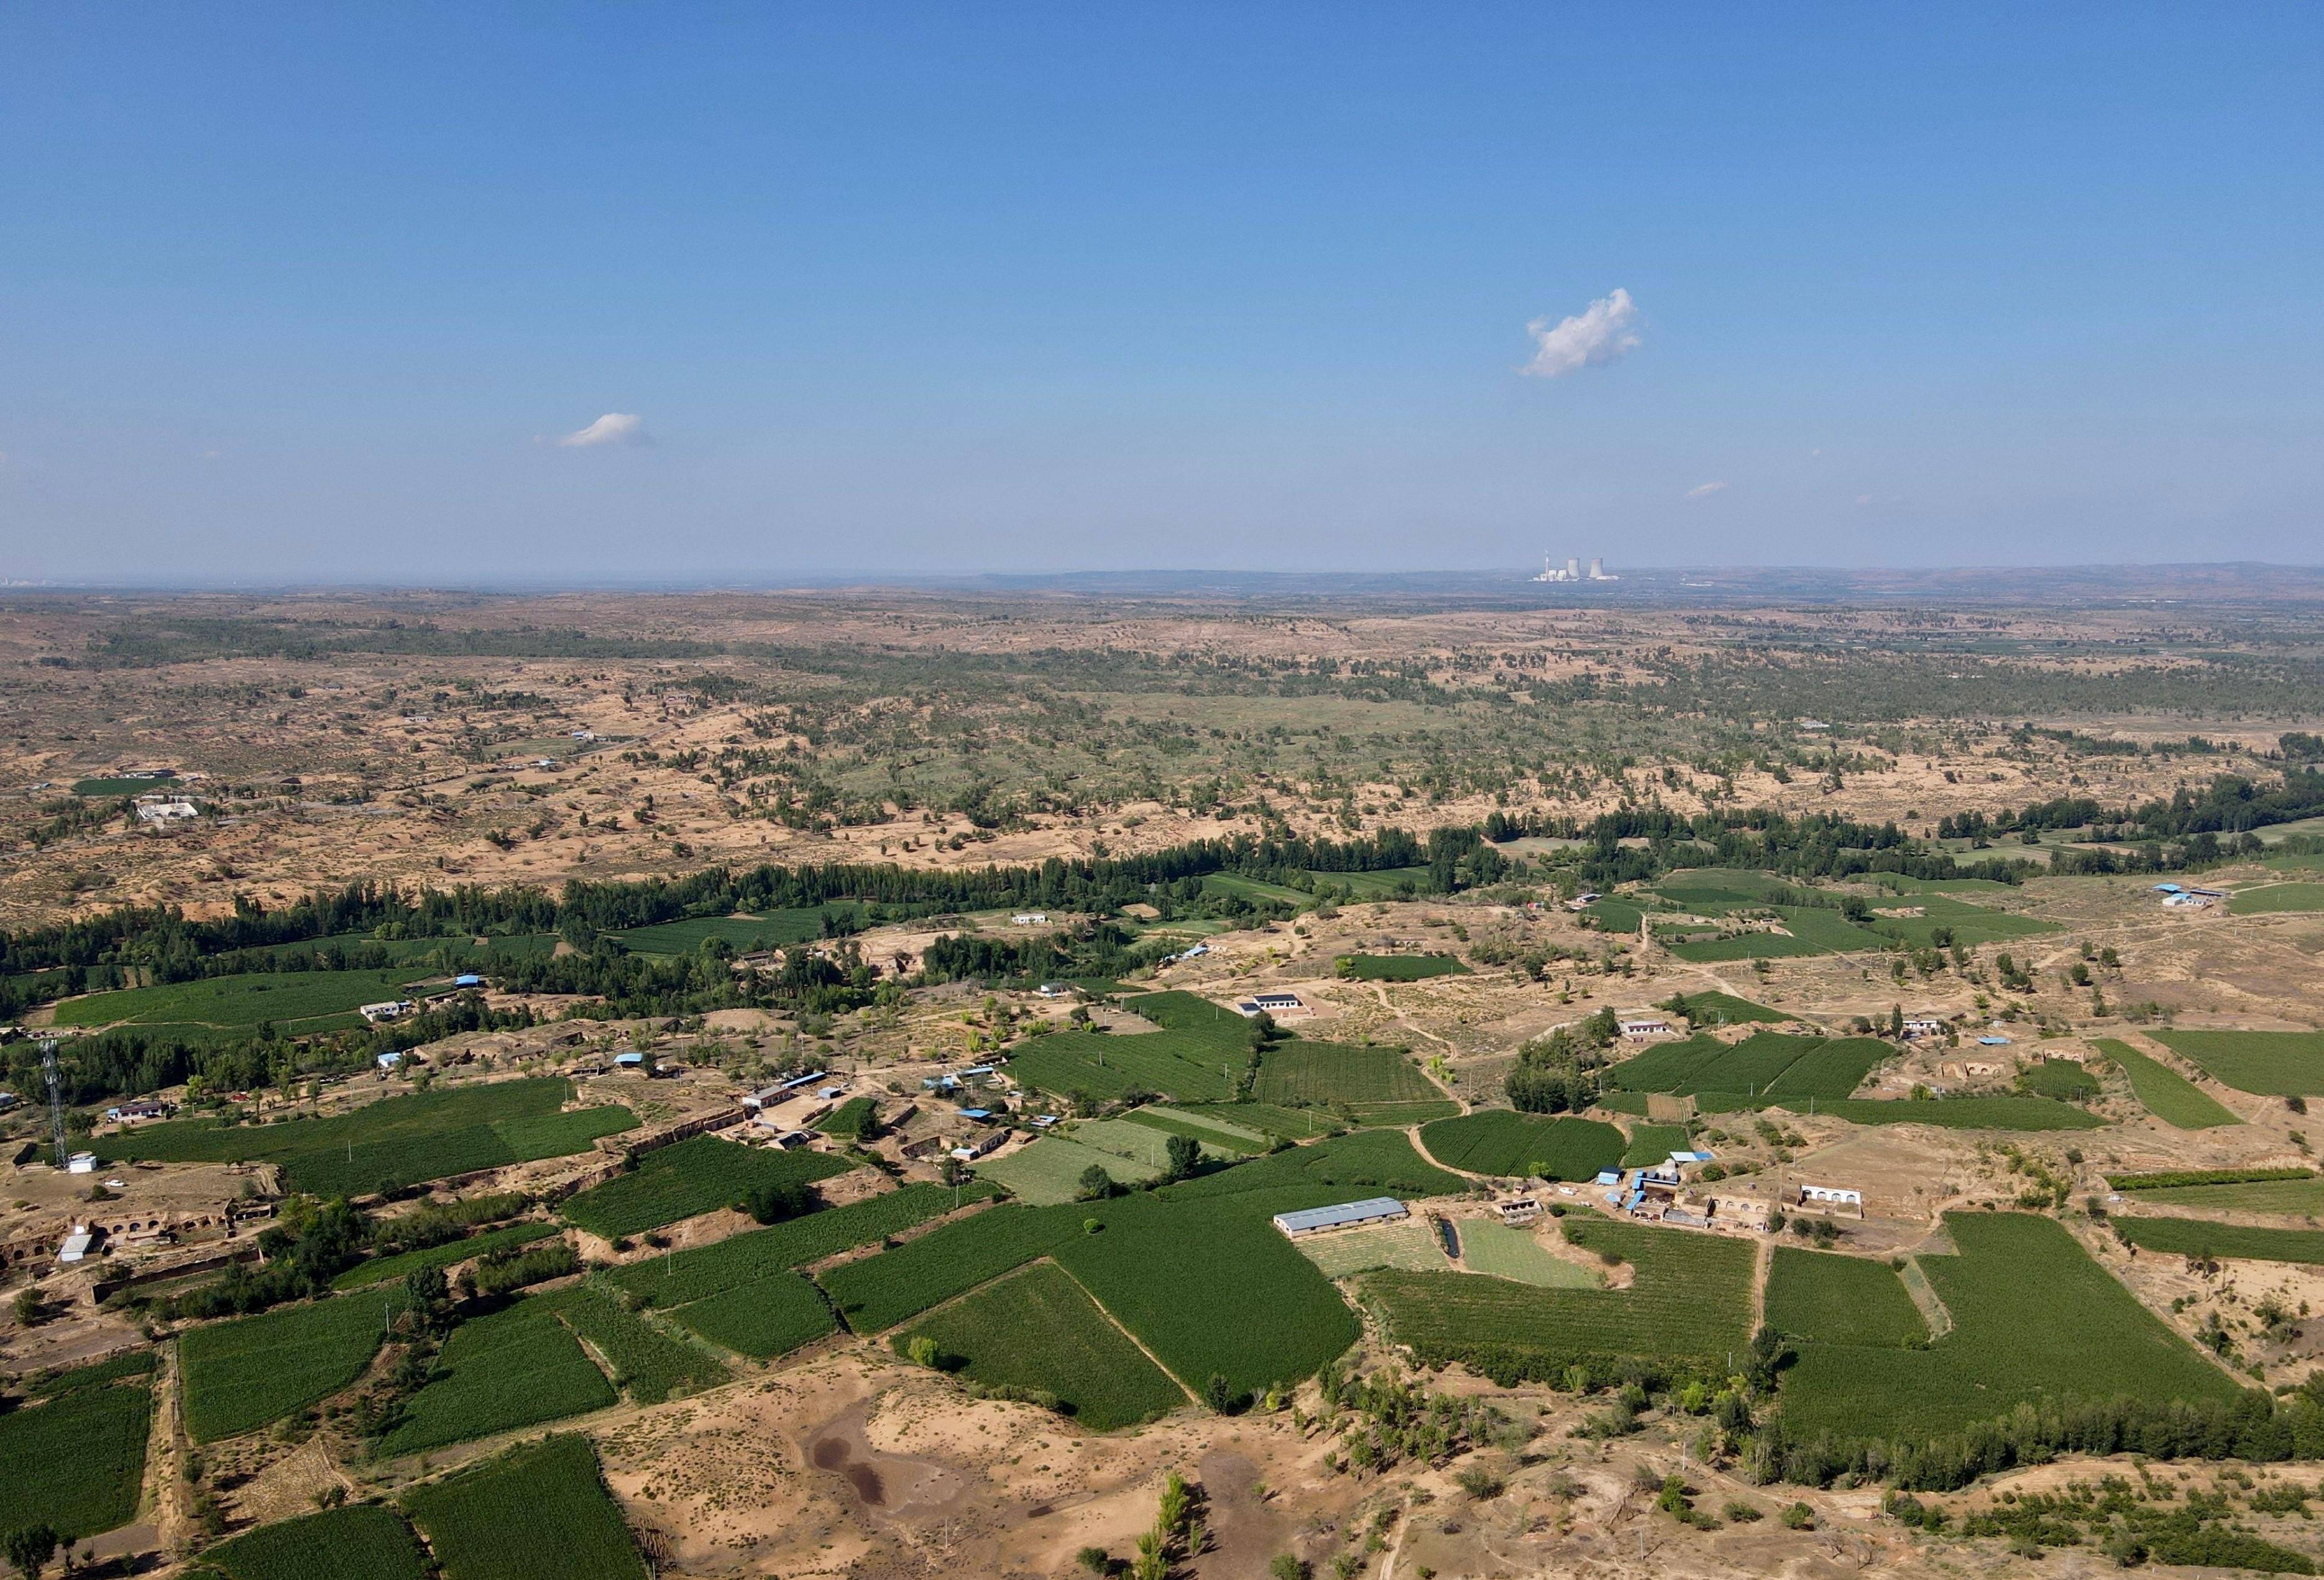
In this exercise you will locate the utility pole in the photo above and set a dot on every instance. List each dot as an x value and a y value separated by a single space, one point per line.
56 1097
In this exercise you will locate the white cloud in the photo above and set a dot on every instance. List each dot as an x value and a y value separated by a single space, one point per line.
1599 334
625 427
1704 490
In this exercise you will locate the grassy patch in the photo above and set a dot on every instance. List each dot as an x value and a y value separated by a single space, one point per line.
770 931
1292 1124
1503 1251
405 1139
1199 1053
1411 1245
2271 1064
1969 925
1050 1170
240 1375
1215 1133
1389 884
539 1513
77 1462
2061 1078
1840 1299
2034 1316
848 1121
2169 1095
1724 1008
1037 1330
1688 1305
1398 967
1649 1144
696 1176
363 1541
1500 1142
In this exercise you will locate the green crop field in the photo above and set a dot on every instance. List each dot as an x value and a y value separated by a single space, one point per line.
847 1122
1197 1056
1293 1124
406 1140
1716 891
1499 1142
766 1317
680 1277
1399 967
104 787
77 1463
2025 1113
384 1270
1810 930
361 1541
519 1367
1969 925
2061 1078
1502 1250
242 1374
1410 1244
2271 1064
1724 1008
2033 1316
2276 897
1256 889
696 1176
1037 1329
2169 1095
1363 1079
1050 1170
1384 884
2259 1195
2199 1237
1840 1299
1615 915
294 1000
1766 1065
538 1512
1649 1144
647 1363
1689 1305
770 931
1217 1135
1195 1270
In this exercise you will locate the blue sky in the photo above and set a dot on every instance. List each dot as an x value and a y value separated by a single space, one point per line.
313 292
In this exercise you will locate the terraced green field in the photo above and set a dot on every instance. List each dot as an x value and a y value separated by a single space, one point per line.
1216 1135
1384 884
1050 1170
1037 1330
2270 897
294 1000
1292 1124
77 1463
1724 1008
404 1140
1688 1306
696 1176
1810 930
2198 1237
2260 1196
1500 1142
519 1367
2033 1316
678 1279
2269 1064
2061 1078
1197 1056
1366 1080
538 1512
647 1363
1968 925
385 1270
770 931
2169 1095
1256 889
1840 1299
1399 967
1766 1065
361 1541
242 1374
1649 1144
765 1318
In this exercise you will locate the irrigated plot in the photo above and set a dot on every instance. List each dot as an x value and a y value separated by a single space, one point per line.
242 1374
696 1176
517 1367
680 1277
2204 1240
1398 967
1411 1245
538 1512
2271 1064
1215 1133
1502 1250
1688 1305
1052 1169
1334 1074
772 930
2304 1196
2169 1095
363 1542
1197 1056
2276 897
1840 1299
294 1000
77 1462
1500 1142
2033 1316
1038 1330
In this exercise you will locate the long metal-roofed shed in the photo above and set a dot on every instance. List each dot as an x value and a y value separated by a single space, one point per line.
1376 1209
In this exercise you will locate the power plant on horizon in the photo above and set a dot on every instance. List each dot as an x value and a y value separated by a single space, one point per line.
1571 570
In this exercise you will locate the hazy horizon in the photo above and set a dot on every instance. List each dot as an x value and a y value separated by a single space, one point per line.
719 295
